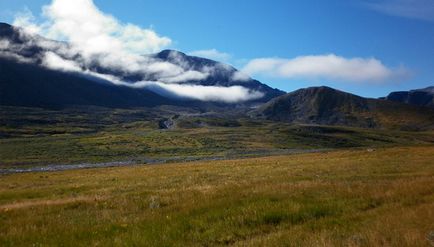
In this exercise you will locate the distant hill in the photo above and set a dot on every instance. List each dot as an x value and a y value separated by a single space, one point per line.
328 106
24 81
420 97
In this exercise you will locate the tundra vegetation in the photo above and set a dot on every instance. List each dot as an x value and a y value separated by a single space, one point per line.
364 197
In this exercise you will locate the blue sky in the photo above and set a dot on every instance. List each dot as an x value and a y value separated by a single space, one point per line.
398 34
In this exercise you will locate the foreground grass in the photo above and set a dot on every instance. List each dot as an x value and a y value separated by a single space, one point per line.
341 198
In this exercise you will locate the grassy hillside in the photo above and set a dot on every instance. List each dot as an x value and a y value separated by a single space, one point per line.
328 106
31 136
341 198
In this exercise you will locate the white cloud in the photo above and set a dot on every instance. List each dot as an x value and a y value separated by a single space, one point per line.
212 54
16 57
240 76
231 94
417 9
4 44
11 51
26 19
83 24
190 75
53 61
164 69
330 67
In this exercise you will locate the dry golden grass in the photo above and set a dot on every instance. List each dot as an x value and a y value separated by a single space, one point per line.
340 198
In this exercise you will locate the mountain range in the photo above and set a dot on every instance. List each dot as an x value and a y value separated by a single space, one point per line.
328 106
27 80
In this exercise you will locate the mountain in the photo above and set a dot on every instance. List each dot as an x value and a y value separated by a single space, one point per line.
25 79
328 106
420 97
221 74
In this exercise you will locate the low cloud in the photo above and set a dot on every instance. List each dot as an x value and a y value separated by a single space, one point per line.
4 44
16 57
329 67
416 9
13 51
53 61
240 76
231 94
169 88
212 54
190 75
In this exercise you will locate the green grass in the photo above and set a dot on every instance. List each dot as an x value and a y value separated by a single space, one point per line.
32 136
339 198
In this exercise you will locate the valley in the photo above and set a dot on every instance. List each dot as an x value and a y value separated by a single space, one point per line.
82 135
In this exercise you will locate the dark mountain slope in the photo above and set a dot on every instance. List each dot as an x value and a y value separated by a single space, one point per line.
34 86
419 97
324 105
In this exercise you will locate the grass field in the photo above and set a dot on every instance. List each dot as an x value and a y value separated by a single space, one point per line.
40 137
381 197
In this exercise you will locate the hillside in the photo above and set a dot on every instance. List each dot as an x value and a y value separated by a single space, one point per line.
30 85
328 106
419 97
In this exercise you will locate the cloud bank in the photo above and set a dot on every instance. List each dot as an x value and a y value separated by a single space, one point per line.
232 94
99 40
416 9
330 67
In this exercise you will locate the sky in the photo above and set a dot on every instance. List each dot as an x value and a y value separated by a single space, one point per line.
366 47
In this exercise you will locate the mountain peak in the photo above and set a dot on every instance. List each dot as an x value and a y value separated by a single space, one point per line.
324 105
165 54
322 90
5 25
6 30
